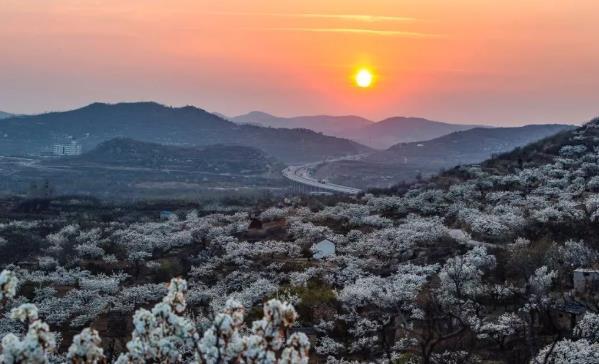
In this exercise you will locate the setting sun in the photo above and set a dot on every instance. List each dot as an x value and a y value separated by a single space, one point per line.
364 78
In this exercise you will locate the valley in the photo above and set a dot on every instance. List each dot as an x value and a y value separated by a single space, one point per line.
124 168
303 175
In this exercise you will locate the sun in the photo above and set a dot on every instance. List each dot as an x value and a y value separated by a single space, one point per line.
364 78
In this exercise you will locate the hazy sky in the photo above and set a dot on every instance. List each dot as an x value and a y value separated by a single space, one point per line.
480 61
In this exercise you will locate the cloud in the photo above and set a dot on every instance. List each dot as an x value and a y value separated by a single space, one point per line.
362 31
352 17
356 17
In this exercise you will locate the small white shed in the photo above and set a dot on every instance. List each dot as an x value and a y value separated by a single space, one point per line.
323 249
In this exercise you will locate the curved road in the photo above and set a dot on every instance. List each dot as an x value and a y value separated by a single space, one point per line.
301 174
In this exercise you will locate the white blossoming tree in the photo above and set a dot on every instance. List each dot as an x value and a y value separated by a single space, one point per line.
568 352
164 334
375 305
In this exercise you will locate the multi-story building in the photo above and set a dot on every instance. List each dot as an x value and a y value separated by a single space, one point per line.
586 281
73 148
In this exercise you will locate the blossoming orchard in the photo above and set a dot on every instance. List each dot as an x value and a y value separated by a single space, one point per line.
496 262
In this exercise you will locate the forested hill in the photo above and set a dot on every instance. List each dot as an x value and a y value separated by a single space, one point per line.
214 158
152 122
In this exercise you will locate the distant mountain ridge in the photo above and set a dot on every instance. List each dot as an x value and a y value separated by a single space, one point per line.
390 131
326 124
152 122
4 115
381 134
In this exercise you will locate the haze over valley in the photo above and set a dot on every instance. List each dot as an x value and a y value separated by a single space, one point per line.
376 134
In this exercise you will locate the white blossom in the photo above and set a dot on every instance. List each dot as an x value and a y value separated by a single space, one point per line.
8 285
568 352
86 348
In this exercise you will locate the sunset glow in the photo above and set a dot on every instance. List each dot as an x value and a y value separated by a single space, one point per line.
364 78
460 61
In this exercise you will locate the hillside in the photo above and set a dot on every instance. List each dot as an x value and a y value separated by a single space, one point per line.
386 133
545 151
213 158
4 115
468 146
330 125
406 161
152 122
126 169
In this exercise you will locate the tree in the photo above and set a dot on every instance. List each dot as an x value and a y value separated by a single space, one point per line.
461 276
588 327
37 343
86 348
165 335
499 330
567 352
376 304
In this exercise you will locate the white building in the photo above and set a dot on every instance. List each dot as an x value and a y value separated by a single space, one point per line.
73 148
586 281
323 249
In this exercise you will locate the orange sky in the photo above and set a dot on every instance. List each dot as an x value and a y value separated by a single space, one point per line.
480 61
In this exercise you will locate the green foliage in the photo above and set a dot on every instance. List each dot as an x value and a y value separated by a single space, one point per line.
169 268
314 294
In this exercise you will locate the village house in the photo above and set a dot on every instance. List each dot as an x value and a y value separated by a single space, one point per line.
323 249
586 281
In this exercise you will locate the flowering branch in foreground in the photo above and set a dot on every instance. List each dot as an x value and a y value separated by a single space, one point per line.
164 335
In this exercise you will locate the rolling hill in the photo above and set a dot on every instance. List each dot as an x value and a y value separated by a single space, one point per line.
152 122
124 168
125 152
388 132
381 134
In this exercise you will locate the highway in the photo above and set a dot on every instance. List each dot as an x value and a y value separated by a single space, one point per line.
301 174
